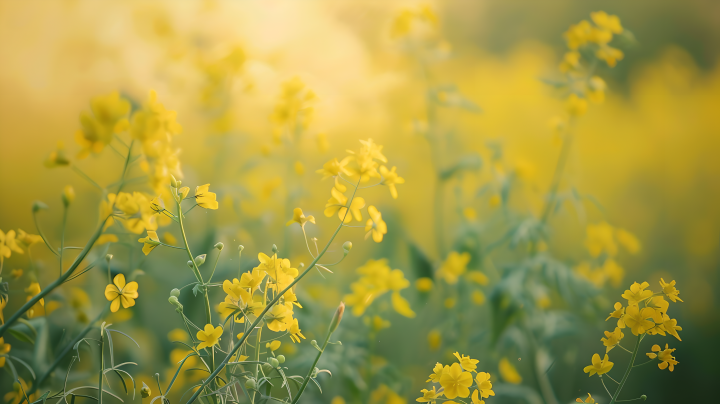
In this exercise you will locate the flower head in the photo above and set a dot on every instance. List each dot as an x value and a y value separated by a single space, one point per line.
334 168
437 373
375 225
454 266
456 382
429 396
599 366
119 292
637 293
467 363
390 178
588 400
637 319
508 372
670 291
209 336
667 360
149 242
484 386
205 198
299 218
612 339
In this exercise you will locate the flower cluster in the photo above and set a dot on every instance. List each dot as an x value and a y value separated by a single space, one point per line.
376 278
358 167
293 111
602 243
645 314
457 380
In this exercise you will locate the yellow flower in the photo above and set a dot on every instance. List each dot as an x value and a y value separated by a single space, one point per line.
599 366
478 277
107 238
209 336
637 293
205 198
454 266
478 298
670 291
57 157
508 372
8 243
252 279
278 317
149 242
273 346
390 178
665 356
16 273
637 319
588 400
456 382
670 325
3 303
375 225
429 396
299 217
484 385
334 168
434 339
438 371
424 284
618 313
337 204
401 306
612 339
600 238
121 293
109 116
294 331
612 271
19 392
571 61
607 22
578 35
575 105
628 240
26 239
33 290
610 55
466 362
4 349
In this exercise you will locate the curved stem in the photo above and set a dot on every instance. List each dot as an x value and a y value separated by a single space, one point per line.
312 368
42 235
62 238
268 306
627 371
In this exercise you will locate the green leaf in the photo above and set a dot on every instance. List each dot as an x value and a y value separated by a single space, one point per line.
21 335
419 262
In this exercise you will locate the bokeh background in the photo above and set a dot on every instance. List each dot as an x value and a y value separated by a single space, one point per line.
648 156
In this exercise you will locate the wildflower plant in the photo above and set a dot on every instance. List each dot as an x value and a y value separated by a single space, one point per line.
644 315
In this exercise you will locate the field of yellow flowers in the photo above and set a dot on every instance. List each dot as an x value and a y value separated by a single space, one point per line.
359 202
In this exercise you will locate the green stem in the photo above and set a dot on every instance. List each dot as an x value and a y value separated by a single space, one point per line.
270 305
102 364
67 349
627 371
312 368
42 235
62 238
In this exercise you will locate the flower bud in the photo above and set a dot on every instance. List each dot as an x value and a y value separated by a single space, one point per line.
173 181
274 249
190 264
175 292
274 362
145 391
314 372
347 246
108 257
281 358
173 300
644 397
337 318
219 246
250 384
200 259
266 367
37 205
68 195
241 248
184 191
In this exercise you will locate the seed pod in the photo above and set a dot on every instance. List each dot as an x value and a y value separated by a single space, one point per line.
274 362
281 358
250 384
175 292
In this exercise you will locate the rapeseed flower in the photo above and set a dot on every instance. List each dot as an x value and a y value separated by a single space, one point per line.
637 293
429 396
454 266
667 360
299 218
149 242
4 350
588 400
438 371
338 204
612 339
608 22
204 198
484 386
390 178
121 293
468 364
508 372
670 291
294 330
456 382
334 168
375 226
599 366
209 336
637 319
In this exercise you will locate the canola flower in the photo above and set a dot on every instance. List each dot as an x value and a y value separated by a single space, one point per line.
456 381
646 313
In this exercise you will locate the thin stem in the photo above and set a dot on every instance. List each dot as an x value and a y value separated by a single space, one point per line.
268 306
606 389
644 363
102 364
312 368
217 258
627 371
62 237
87 177
42 235
68 348
624 349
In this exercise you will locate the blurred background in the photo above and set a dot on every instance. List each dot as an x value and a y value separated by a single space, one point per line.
645 159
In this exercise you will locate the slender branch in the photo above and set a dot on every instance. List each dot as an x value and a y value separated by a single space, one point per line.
62 238
627 371
42 235
87 178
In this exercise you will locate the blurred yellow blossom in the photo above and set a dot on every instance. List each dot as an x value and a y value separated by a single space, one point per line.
454 266
508 372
